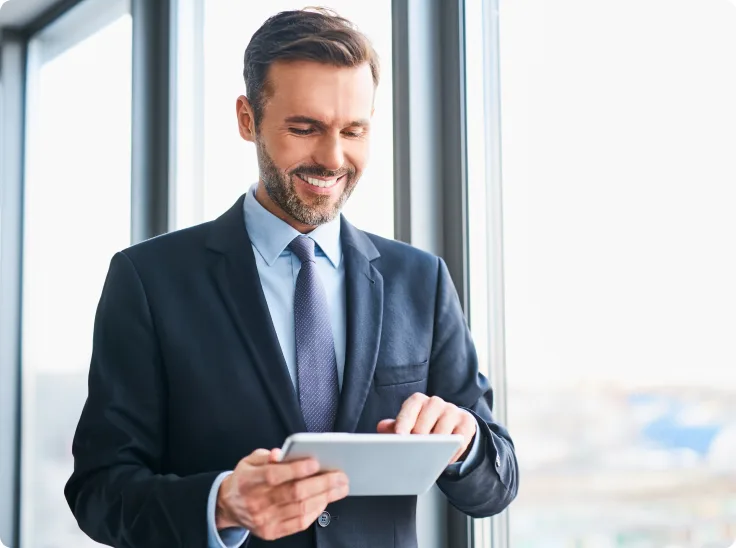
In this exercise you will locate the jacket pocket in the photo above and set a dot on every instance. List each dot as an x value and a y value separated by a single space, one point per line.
392 375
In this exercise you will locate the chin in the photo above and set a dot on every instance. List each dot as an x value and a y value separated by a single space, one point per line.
321 203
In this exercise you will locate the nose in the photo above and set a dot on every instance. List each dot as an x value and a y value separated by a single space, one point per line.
329 153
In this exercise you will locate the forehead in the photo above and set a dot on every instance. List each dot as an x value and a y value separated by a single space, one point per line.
325 92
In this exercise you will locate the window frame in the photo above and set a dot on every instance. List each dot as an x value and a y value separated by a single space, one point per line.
12 101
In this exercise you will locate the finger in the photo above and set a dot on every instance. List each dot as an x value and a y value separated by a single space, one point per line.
258 457
281 527
459 452
431 411
301 490
448 424
275 455
409 412
467 429
306 506
386 426
448 421
279 473
292 518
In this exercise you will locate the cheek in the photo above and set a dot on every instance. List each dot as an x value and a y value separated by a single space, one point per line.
287 152
358 154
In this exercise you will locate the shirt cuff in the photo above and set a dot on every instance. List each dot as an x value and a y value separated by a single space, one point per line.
227 538
473 455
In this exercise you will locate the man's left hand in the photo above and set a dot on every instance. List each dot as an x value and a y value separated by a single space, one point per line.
421 414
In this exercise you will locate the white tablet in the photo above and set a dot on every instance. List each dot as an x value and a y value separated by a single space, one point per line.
378 464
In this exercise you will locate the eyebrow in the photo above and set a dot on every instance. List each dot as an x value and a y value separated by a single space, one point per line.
320 124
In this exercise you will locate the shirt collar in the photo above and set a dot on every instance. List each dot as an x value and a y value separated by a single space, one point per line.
270 235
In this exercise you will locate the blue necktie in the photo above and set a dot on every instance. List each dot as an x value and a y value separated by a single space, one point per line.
315 347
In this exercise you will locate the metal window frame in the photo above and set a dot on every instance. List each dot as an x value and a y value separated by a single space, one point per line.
151 125
12 139
430 189
71 27
430 173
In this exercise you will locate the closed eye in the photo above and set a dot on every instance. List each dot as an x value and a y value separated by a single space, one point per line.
310 131
298 131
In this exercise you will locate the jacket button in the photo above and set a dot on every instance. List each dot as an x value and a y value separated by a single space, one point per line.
324 519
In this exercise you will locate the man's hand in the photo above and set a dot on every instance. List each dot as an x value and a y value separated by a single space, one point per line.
421 414
273 499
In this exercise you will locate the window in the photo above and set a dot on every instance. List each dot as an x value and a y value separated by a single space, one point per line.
618 134
229 164
484 219
77 215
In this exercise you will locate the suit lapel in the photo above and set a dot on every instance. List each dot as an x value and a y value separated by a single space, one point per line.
364 292
236 276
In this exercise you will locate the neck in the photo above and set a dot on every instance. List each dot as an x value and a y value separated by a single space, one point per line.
272 207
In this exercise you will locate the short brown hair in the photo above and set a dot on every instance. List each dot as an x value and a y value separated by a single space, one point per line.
311 34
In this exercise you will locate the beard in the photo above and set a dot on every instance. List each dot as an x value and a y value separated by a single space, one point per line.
281 188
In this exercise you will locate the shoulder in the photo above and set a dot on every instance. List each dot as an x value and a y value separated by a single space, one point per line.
190 246
394 250
401 260
171 250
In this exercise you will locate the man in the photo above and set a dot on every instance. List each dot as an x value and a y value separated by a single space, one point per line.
215 343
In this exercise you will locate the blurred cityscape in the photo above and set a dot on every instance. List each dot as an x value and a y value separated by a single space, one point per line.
609 467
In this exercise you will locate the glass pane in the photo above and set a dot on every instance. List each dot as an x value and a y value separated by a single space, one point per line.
477 166
77 214
619 131
230 166
484 222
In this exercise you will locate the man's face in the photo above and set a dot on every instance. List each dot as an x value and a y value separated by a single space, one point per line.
312 142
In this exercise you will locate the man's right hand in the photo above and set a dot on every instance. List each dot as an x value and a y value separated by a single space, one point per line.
272 499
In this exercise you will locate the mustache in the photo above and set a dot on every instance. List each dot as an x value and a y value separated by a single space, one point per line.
319 171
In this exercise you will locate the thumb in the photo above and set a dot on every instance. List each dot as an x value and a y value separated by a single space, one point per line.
386 426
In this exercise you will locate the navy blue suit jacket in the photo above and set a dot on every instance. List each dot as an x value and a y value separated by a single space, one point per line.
187 378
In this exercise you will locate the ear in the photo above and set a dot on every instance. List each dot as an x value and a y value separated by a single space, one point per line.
246 120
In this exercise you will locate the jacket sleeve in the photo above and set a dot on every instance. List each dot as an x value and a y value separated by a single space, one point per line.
118 491
489 485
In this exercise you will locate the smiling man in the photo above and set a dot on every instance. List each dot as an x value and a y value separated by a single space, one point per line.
213 344
312 145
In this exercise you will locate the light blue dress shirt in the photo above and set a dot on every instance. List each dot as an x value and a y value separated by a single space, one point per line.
278 268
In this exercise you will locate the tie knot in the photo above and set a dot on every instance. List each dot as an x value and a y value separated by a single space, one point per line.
303 247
